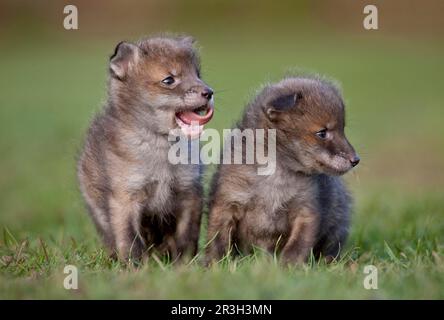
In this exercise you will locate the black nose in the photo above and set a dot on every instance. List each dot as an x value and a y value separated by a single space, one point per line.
355 160
207 93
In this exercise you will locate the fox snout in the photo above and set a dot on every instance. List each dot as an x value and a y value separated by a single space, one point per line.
337 158
198 95
200 90
207 93
350 154
355 160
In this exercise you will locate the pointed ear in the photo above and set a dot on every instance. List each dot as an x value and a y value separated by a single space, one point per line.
125 57
188 40
281 104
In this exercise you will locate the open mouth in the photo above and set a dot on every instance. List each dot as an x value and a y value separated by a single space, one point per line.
192 122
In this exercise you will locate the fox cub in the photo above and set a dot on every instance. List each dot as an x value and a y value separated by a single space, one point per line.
138 200
303 205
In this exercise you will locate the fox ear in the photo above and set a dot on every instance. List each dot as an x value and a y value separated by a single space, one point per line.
281 104
188 40
125 57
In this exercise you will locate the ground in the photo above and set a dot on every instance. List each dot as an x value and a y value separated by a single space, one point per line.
394 97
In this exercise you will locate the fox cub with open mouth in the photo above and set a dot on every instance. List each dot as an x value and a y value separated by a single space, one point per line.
303 205
137 199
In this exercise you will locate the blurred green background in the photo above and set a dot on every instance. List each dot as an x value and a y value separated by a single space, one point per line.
53 80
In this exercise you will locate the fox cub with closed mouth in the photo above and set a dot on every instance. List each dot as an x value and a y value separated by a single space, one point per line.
303 205
139 201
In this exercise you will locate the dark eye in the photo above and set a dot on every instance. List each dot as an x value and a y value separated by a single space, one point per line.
322 133
168 81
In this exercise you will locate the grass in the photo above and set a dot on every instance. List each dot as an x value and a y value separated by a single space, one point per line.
394 99
406 247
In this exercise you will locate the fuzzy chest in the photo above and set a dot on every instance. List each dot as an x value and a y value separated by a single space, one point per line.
280 189
159 186
261 229
152 179
266 220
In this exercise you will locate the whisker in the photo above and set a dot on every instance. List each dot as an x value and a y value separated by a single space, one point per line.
220 91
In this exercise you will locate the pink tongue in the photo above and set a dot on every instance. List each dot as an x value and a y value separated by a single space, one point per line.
189 116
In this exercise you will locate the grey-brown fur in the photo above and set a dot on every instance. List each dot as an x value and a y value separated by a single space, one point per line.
137 199
304 204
